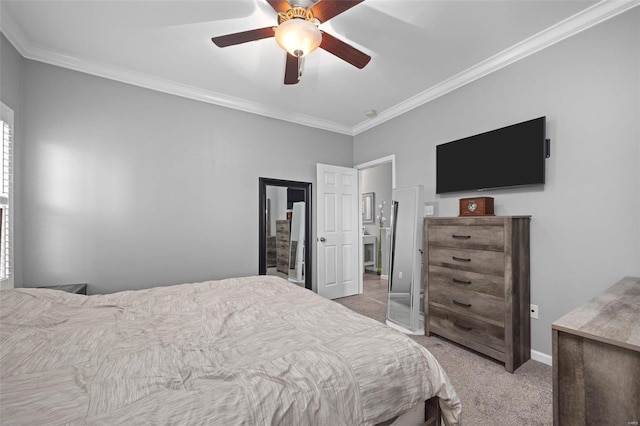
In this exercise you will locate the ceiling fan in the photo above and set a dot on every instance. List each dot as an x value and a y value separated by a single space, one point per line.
298 33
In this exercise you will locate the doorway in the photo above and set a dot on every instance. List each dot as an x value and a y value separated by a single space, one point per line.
284 228
377 181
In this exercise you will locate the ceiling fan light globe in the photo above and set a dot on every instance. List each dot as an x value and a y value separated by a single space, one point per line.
298 36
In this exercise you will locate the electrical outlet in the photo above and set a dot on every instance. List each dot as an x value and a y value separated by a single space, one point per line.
399 274
534 311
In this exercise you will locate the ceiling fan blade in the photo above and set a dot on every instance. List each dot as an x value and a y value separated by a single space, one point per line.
292 70
327 9
243 37
344 51
279 5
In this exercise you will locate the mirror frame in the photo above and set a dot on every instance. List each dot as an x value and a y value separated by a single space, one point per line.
262 223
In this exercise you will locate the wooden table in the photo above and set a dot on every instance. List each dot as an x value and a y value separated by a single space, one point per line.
596 360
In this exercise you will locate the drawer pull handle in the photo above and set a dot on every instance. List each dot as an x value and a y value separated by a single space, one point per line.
461 259
464 327
466 305
455 280
461 237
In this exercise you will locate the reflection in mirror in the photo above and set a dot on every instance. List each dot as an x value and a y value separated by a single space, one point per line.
368 201
285 211
405 303
277 231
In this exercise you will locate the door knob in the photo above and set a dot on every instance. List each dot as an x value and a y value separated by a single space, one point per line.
323 239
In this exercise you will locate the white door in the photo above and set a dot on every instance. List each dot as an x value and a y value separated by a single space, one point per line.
337 238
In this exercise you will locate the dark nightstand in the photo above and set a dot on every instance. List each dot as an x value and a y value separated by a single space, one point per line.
69 288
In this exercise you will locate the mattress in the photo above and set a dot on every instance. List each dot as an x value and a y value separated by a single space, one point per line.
242 351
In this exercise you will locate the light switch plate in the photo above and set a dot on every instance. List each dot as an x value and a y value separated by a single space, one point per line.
429 210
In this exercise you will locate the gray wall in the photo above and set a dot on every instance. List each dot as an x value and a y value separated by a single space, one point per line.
11 70
128 188
585 229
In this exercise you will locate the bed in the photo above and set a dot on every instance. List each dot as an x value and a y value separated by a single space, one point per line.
241 351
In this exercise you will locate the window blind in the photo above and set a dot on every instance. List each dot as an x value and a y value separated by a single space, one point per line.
6 196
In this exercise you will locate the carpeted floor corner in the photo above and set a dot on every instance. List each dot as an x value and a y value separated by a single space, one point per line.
490 395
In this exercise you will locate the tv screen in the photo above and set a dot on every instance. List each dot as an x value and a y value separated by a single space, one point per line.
510 156
293 196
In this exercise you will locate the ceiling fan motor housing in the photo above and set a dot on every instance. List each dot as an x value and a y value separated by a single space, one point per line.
299 34
296 13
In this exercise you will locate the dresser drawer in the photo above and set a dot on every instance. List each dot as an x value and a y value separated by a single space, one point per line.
282 247
469 237
471 281
461 328
283 265
477 305
484 262
282 230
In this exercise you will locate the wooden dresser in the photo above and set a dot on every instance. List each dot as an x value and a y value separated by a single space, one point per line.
476 272
596 360
283 231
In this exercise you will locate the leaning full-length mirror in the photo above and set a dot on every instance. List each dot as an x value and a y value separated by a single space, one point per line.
285 230
405 306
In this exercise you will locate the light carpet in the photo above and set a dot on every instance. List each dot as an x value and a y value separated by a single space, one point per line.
489 394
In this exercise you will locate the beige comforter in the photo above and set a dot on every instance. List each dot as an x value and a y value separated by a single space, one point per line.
242 351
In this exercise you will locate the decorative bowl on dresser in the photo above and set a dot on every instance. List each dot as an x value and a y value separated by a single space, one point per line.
477 284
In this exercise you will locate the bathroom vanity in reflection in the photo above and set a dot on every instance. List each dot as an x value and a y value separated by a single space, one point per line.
370 250
405 308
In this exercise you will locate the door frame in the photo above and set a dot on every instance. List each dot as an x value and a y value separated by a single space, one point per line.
360 167
262 224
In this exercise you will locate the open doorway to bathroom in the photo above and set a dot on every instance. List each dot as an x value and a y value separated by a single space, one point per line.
377 180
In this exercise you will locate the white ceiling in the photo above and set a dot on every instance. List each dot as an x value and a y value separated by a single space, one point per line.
420 49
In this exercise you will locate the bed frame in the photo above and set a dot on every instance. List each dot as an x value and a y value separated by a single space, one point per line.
432 416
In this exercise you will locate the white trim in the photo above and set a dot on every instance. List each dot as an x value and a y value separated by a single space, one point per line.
373 163
6 113
541 357
575 24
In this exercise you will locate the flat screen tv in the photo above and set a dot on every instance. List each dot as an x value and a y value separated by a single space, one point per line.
510 156
293 196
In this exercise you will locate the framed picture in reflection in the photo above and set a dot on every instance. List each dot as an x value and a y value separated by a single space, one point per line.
368 201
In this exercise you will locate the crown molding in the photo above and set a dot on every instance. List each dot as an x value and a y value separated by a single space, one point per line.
49 56
575 24
13 32
593 15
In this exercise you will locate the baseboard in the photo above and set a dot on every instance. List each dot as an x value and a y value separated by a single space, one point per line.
541 357
384 277
398 327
